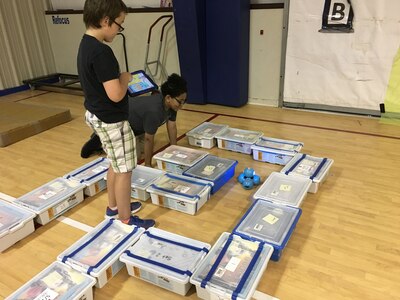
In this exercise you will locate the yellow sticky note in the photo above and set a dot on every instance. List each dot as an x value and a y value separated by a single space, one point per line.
285 187
271 219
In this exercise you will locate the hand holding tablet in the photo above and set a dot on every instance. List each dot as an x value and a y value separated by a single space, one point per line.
141 83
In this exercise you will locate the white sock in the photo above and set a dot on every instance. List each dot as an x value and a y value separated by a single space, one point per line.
114 208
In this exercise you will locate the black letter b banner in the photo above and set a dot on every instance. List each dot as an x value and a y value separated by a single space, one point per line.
337 16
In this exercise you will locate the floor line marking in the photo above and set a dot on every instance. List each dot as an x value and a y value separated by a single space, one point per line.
75 224
299 125
261 296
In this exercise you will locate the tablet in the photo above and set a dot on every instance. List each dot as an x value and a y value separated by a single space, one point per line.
141 83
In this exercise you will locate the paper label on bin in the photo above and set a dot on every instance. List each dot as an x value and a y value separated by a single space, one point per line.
167 155
285 187
180 155
99 169
208 170
258 227
232 264
47 195
47 294
220 272
271 219
207 130
181 189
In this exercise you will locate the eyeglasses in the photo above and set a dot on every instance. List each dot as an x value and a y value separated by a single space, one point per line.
120 29
181 102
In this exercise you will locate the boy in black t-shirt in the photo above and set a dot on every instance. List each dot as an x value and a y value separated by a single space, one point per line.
106 103
146 114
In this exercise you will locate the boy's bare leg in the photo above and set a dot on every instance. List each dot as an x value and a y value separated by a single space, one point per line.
112 202
119 192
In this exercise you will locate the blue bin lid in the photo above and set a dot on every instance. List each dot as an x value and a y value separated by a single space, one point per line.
210 168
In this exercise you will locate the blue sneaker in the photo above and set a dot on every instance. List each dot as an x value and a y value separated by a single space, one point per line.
144 223
135 207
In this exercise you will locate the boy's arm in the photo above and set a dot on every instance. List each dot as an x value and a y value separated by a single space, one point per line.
116 89
172 132
148 148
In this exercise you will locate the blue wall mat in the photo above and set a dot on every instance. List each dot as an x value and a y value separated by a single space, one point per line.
190 29
227 29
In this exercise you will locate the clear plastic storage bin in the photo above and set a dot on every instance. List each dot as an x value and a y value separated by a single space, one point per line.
238 140
268 222
15 224
142 177
283 189
215 169
315 168
165 259
179 192
232 269
91 175
57 281
52 199
204 134
97 253
177 159
275 151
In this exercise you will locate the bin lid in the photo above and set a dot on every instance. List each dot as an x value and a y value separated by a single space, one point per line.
12 215
308 166
206 130
166 253
57 281
180 155
232 266
211 167
268 222
143 176
95 251
281 146
179 185
240 135
283 189
90 172
49 194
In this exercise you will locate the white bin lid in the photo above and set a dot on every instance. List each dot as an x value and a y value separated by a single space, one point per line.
283 189
206 130
95 251
143 176
308 166
180 155
278 145
11 216
179 185
211 167
240 264
240 135
90 172
268 222
49 194
166 254
57 281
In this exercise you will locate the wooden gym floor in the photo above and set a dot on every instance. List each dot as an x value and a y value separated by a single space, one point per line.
345 246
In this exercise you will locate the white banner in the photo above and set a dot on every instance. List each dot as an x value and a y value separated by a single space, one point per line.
341 69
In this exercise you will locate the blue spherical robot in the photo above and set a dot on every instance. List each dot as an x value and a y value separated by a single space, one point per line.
249 172
248 183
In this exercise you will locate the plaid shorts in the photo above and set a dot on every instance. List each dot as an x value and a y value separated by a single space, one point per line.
118 141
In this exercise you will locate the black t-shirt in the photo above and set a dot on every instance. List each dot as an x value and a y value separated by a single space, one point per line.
147 113
97 64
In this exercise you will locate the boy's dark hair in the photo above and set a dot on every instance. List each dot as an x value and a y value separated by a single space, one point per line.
95 10
174 86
